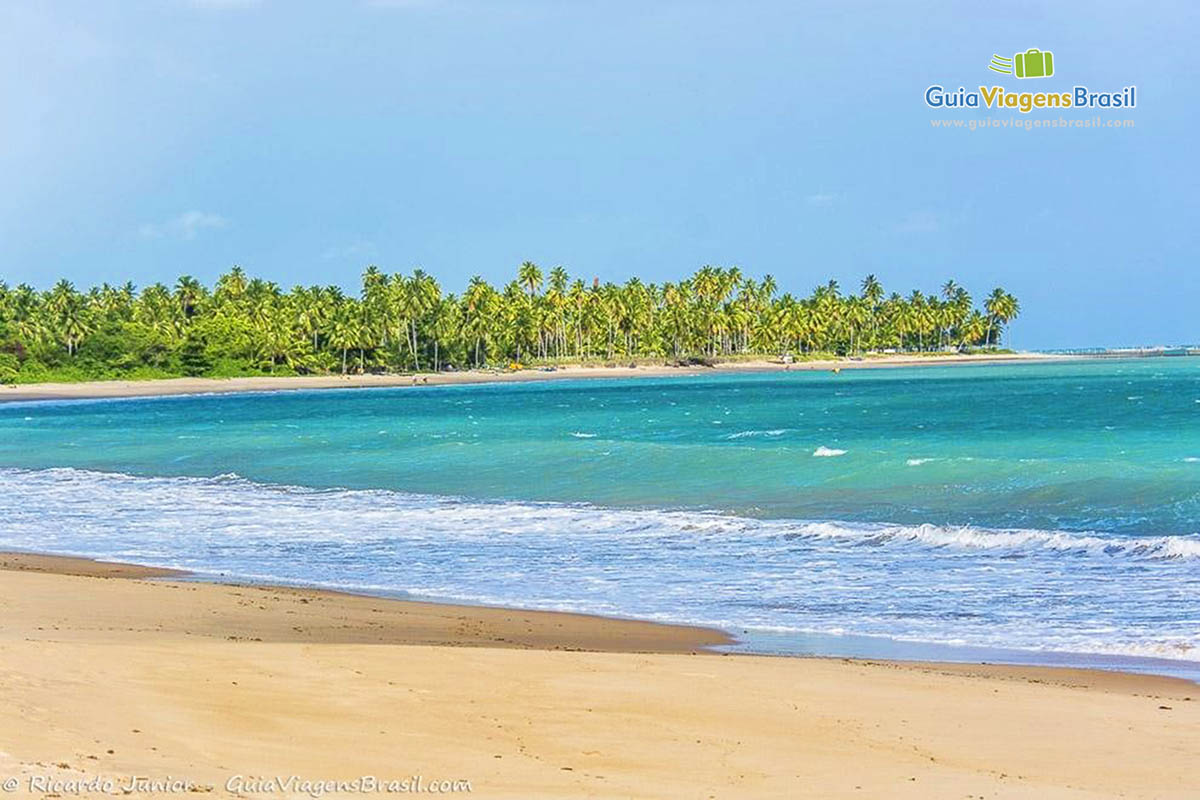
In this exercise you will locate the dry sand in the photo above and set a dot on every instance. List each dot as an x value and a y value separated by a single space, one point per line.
116 675
175 386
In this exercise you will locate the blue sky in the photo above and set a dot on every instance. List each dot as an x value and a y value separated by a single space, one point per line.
144 140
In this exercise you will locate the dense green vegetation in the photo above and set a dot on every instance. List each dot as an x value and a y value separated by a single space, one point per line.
247 326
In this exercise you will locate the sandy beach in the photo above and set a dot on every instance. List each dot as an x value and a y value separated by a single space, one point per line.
177 386
112 671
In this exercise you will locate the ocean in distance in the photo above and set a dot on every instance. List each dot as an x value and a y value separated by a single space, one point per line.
1046 512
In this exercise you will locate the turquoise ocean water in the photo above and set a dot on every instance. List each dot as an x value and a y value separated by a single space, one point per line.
1045 512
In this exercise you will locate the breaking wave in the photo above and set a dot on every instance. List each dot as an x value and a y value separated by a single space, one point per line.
1018 588
122 500
751 434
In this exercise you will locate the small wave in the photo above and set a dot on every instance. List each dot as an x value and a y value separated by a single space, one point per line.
182 495
582 435
828 452
1108 592
1175 649
748 434
1017 540
916 462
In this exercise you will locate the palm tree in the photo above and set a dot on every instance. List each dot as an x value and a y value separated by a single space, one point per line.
188 293
378 317
230 286
421 293
556 300
346 328
73 325
69 315
530 277
445 326
1001 309
402 321
478 305
310 311
275 340
973 330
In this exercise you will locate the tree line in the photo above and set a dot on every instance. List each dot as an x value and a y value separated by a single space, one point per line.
244 325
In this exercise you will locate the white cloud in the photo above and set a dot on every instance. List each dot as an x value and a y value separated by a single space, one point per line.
186 226
400 3
219 5
354 251
821 200
919 222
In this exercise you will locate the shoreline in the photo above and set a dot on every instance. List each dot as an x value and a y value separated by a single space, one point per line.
602 632
112 671
555 630
415 621
163 387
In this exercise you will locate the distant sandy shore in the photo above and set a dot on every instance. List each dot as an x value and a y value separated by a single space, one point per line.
106 674
174 386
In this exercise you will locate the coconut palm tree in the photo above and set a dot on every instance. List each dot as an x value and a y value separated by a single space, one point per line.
403 320
1002 308
346 329
188 294
230 287
973 330
69 315
530 277
420 294
479 304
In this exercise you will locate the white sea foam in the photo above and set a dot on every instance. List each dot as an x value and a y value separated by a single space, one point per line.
934 583
748 434
827 452
175 498
582 435
916 462
1017 541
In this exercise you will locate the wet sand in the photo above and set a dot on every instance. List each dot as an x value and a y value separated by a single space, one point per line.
109 671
